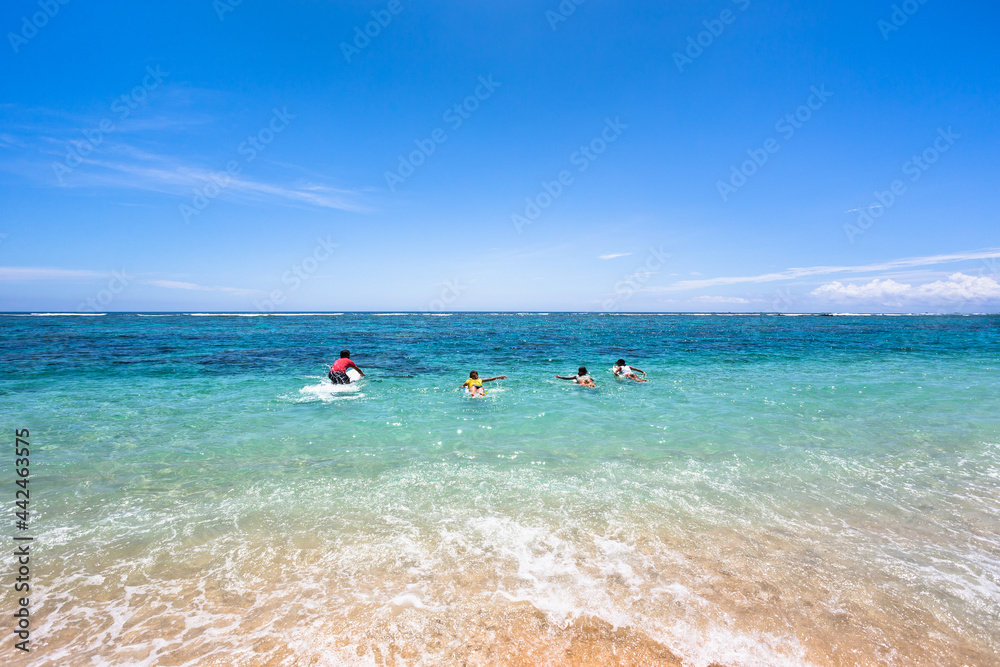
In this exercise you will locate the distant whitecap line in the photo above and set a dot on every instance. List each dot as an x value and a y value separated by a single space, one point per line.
62 315
238 314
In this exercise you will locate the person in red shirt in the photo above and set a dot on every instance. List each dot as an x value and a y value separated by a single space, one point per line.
338 372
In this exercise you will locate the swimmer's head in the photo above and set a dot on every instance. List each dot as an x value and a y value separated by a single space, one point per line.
582 371
620 362
474 375
345 354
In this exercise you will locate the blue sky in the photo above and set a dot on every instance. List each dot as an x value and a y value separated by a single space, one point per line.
733 155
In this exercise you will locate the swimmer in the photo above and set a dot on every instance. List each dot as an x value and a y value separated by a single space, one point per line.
623 370
338 372
475 385
581 377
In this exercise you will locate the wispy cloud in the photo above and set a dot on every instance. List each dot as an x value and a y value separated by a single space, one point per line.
719 299
44 137
613 255
24 273
32 273
9 140
802 272
176 284
160 175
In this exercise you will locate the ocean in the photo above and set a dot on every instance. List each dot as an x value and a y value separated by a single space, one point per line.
811 490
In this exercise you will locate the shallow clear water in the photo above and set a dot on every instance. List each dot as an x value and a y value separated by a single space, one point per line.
784 490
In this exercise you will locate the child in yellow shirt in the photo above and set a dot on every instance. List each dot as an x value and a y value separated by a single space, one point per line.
475 385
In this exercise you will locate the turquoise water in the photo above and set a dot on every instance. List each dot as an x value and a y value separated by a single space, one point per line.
784 490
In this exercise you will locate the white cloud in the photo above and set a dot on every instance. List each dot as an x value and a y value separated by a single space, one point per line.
613 255
887 291
958 288
961 287
802 272
719 299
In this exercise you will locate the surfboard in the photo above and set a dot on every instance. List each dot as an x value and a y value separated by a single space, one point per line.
353 374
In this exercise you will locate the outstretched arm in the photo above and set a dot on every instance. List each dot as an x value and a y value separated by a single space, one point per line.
566 377
639 370
498 377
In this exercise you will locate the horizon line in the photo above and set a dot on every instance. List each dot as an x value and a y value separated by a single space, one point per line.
41 313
